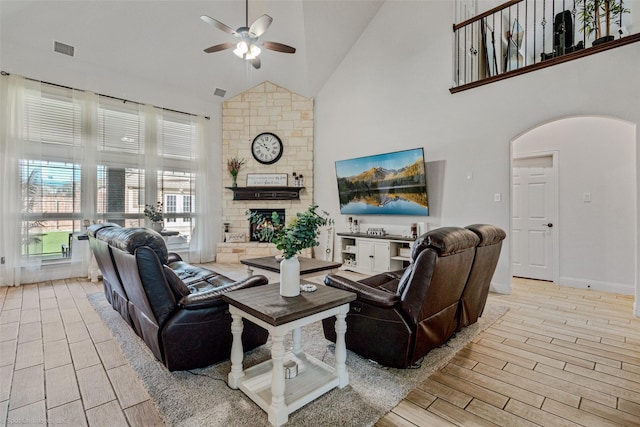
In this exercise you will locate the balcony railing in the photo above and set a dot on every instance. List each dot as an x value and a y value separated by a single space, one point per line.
520 36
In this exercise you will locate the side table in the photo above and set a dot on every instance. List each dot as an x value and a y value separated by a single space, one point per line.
265 383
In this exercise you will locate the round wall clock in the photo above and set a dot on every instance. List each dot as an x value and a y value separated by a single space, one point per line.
266 148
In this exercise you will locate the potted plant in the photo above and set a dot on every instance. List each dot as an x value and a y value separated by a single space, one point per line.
300 233
234 165
594 12
154 213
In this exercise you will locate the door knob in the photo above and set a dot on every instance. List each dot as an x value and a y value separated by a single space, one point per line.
549 224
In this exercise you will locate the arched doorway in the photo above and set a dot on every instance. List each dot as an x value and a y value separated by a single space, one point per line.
595 229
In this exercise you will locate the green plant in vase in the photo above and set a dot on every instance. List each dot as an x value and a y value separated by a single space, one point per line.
234 165
300 233
154 213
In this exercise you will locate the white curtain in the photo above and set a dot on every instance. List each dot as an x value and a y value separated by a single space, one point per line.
85 152
13 92
202 247
88 141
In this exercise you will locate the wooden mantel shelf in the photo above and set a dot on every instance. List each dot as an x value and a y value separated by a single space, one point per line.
266 193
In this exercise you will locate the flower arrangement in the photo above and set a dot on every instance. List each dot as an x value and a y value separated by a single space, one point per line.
234 165
300 233
154 213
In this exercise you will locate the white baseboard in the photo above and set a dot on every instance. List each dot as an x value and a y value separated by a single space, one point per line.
500 288
618 288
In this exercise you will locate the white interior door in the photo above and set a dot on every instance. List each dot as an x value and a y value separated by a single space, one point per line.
533 222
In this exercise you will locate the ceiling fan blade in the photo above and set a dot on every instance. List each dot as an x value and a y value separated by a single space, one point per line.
219 47
260 25
219 25
279 47
255 62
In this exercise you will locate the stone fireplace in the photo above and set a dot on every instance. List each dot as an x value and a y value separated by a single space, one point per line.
264 213
264 108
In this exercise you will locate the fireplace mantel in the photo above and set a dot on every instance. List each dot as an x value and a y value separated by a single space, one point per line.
265 193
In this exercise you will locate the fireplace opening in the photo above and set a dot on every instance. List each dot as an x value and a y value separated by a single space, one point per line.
264 213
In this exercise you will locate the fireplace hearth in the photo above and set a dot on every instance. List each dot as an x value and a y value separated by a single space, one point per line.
265 213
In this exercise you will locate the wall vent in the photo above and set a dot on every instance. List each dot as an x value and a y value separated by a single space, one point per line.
63 48
220 92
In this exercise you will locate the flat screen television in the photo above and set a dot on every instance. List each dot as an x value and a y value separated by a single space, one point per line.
383 184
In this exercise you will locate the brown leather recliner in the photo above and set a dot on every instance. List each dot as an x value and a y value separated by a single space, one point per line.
474 296
397 320
113 290
186 325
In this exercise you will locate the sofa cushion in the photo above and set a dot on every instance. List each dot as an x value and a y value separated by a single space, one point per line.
446 241
130 239
488 234
93 229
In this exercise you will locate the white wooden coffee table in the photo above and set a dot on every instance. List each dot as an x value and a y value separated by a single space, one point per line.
265 383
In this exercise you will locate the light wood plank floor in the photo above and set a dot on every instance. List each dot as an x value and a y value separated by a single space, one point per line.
560 356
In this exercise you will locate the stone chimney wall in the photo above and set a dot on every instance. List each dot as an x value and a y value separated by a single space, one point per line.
264 108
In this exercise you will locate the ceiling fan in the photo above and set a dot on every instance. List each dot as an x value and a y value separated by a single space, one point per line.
247 46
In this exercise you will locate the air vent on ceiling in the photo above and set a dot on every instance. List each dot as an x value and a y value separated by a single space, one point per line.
220 92
63 48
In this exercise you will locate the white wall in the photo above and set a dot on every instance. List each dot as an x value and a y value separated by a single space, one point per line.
391 92
596 155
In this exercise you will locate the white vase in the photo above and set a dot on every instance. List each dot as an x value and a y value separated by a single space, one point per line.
157 226
290 277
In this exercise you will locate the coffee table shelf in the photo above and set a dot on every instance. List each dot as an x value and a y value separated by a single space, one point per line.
265 383
314 379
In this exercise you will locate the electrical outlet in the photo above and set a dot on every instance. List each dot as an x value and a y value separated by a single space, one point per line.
586 197
497 197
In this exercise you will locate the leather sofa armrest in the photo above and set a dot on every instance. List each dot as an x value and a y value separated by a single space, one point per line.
364 292
249 282
173 257
211 297
397 274
201 300
380 279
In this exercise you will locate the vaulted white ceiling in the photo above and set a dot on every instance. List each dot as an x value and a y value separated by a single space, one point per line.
162 42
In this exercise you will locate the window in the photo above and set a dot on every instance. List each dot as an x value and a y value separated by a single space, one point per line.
186 207
170 207
120 195
123 152
50 207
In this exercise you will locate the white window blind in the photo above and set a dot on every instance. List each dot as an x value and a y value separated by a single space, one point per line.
51 117
120 127
60 148
177 136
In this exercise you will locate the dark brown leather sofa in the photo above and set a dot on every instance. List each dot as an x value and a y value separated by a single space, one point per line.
175 307
396 320
113 290
474 296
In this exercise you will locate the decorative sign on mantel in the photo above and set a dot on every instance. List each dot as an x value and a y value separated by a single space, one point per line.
267 179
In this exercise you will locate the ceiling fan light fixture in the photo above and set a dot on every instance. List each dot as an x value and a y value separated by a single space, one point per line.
253 53
247 36
241 49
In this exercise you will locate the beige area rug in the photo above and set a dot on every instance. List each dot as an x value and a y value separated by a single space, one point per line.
201 397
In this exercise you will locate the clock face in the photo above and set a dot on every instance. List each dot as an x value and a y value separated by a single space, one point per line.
267 148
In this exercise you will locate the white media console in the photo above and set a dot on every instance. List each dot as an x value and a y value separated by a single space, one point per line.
368 254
